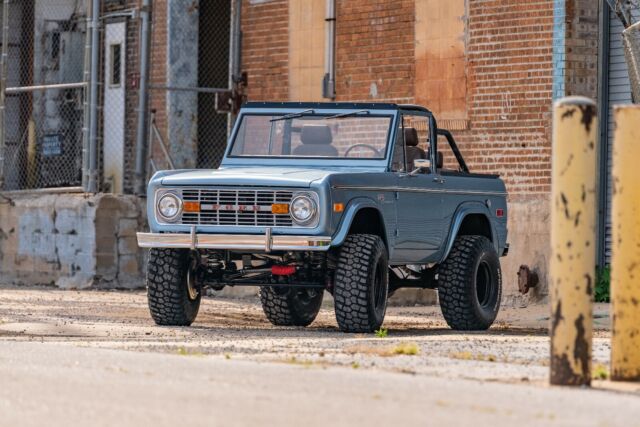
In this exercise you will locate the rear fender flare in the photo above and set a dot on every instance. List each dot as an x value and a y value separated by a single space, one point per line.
460 214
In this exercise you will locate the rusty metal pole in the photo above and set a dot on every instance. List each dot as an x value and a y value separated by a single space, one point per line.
573 234
625 261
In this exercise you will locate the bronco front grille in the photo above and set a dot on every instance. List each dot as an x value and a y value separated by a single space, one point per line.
236 207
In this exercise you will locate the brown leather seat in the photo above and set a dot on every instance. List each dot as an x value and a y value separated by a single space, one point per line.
413 151
316 141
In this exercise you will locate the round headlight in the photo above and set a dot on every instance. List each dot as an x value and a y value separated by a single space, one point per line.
169 207
303 209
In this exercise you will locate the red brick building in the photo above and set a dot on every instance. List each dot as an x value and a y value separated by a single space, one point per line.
488 69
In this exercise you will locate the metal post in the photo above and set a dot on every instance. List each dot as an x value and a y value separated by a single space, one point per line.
573 239
87 103
143 98
3 84
625 261
92 182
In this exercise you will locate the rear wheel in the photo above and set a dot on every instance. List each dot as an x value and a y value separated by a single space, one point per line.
361 283
470 284
172 289
290 306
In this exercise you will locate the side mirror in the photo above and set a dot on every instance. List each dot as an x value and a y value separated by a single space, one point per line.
419 165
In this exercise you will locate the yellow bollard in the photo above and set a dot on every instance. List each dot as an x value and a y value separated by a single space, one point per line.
573 234
625 261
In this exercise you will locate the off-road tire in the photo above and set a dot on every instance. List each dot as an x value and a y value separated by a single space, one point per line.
361 283
290 307
167 292
470 284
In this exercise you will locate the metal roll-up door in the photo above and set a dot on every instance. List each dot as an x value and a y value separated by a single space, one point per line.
619 92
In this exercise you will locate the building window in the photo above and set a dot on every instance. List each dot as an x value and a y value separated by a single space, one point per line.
115 74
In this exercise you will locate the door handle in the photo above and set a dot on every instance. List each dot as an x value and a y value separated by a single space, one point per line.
438 179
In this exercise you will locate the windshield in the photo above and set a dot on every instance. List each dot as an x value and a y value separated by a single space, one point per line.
355 136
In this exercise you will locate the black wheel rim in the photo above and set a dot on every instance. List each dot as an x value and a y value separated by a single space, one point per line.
306 296
193 285
379 286
485 288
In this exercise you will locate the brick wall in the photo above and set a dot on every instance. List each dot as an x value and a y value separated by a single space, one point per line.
265 49
581 48
375 50
509 60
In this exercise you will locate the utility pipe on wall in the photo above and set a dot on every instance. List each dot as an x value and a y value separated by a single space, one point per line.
143 97
329 81
92 170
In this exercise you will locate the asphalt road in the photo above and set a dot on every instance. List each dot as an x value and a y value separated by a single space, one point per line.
61 384
96 358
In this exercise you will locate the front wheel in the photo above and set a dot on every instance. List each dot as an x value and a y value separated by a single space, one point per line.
290 306
470 284
361 283
172 289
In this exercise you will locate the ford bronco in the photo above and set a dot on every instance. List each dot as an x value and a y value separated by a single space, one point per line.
354 199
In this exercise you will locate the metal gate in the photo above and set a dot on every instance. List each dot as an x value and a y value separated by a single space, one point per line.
192 100
42 99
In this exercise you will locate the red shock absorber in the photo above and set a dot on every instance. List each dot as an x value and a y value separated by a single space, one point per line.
283 270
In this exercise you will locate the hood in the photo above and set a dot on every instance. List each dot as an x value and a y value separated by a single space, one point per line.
247 176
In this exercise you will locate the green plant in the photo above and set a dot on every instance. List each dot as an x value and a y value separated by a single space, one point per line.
600 372
382 333
603 279
406 348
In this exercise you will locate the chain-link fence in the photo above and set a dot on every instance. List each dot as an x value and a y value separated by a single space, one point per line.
73 112
43 47
190 99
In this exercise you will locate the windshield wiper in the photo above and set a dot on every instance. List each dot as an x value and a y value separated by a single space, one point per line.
349 114
292 116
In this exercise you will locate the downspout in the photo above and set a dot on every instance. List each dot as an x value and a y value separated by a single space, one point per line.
603 123
329 80
235 43
92 184
143 97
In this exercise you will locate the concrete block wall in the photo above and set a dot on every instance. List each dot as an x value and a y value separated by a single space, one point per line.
71 240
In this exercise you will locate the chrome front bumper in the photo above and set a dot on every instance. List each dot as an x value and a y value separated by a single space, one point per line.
252 242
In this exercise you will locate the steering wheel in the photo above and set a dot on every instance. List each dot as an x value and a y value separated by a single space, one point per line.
370 147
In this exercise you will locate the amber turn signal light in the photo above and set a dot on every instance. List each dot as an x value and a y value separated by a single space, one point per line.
191 206
338 207
280 208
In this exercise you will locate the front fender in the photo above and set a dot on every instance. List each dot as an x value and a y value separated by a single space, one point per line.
350 212
461 212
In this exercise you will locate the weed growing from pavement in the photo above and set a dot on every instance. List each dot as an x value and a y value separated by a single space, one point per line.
600 372
467 355
406 348
400 349
382 333
186 352
355 365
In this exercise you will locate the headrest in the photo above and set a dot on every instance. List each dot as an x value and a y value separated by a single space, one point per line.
316 134
411 137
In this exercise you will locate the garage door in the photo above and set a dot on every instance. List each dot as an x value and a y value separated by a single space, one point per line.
619 92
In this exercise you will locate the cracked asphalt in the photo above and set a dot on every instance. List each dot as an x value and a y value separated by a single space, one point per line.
45 327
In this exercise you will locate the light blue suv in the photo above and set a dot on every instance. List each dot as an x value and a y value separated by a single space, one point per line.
358 200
